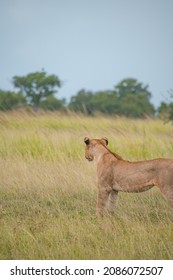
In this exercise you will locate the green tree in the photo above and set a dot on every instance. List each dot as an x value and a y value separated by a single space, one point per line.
105 102
88 102
133 98
81 102
129 98
52 103
37 86
165 109
132 86
10 100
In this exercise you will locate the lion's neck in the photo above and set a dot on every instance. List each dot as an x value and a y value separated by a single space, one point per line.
100 153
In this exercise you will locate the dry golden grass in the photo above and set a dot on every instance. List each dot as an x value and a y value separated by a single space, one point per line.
48 190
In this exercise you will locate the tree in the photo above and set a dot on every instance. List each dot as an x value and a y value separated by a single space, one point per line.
105 102
129 98
88 102
163 110
81 102
37 86
132 86
52 103
134 98
10 100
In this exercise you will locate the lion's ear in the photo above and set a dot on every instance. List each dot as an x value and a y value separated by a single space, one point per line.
86 140
105 141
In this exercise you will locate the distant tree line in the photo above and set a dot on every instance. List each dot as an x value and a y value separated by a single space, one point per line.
129 98
37 90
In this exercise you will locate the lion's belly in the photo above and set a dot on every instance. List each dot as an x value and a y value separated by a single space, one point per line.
129 177
133 188
134 183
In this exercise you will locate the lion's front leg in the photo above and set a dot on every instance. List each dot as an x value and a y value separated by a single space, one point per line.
112 201
102 199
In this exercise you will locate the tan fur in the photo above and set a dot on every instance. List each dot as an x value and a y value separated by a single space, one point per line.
115 174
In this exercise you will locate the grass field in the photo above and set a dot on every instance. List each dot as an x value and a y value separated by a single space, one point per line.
48 190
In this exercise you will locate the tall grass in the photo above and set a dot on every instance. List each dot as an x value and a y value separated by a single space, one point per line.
48 189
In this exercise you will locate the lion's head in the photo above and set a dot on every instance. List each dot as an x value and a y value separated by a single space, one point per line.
91 144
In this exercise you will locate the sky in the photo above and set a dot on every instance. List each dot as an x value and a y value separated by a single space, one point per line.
89 44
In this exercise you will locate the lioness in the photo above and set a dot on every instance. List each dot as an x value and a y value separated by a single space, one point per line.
115 174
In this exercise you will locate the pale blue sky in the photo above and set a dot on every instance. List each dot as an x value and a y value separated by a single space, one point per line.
91 44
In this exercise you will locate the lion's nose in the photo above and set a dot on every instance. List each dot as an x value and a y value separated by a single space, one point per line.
90 158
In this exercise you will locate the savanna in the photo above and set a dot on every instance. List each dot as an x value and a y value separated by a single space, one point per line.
48 190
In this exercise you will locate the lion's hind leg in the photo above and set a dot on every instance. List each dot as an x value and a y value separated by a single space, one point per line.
169 197
168 194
